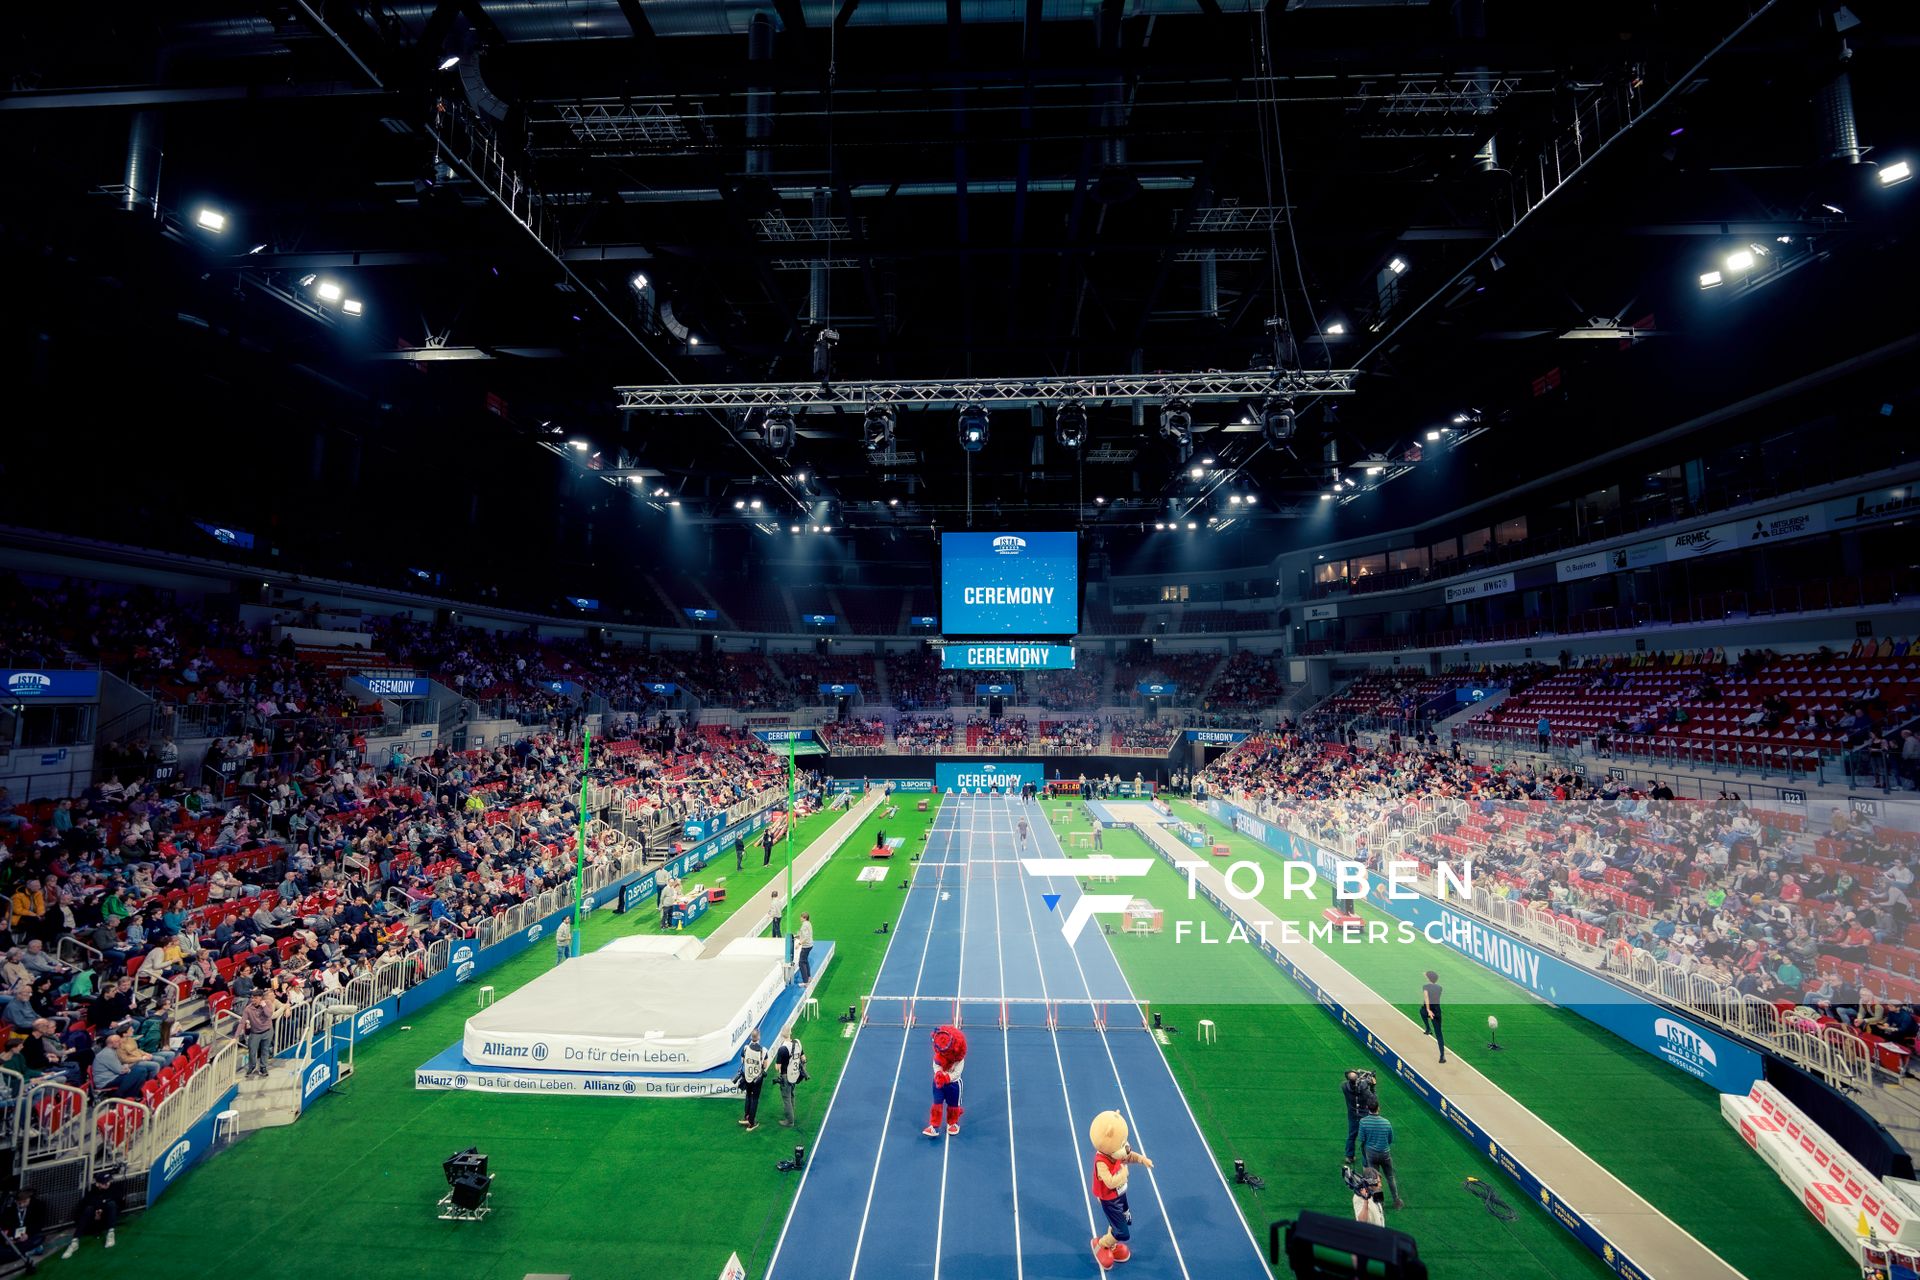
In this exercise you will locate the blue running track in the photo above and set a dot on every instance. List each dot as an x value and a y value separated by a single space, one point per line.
1046 1051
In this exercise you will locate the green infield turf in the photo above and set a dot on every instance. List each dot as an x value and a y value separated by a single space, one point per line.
595 1187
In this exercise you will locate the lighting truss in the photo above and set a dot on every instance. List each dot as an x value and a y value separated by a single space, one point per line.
603 122
780 227
1238 217
808 264
1451 95
1126 388
1219 255
1455 437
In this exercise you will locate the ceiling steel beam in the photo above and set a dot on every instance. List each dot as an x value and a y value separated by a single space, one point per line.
1002 392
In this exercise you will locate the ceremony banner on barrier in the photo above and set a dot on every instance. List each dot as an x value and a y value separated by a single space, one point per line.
771 736
987 777
187 1151
1667 1034
1433 1096
1218 737
395 686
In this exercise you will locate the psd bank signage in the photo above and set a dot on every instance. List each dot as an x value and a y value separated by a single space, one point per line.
987 777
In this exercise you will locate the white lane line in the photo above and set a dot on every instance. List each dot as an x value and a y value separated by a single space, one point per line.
1087 987
880 1147
960 990
1006 1048
827 1119
1066 1100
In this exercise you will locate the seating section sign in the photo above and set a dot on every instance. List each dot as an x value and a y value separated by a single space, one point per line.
1010 584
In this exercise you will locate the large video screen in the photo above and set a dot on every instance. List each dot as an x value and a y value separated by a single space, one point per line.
1010 584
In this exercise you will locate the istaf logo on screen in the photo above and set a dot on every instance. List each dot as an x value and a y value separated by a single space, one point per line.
1009 545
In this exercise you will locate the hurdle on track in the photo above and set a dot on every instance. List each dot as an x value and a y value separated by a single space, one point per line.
1008 1013
1080 839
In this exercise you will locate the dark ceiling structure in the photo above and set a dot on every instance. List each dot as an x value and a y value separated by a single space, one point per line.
366 277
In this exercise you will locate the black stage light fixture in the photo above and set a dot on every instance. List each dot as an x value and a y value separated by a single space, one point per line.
470 1191
1176 424
1276 420
878 428
973 427
460 1163
1070 424
823 344
1319 1246
777 431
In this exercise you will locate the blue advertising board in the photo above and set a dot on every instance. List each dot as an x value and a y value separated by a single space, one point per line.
902 786
923 620
188 1150
662 688
1678 1041
226 535
584 602
1157 689
968 776
1010 583
1218 737
819 619
840 690
395 686
993 691
55 683
702 615
567 687
704 828
1006 657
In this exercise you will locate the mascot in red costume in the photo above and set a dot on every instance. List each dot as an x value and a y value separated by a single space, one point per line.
949 1058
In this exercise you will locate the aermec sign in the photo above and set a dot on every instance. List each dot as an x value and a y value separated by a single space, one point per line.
1010 545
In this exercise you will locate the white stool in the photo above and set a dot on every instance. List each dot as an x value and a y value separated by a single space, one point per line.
486 996
1209 1034
223 1126
810 1007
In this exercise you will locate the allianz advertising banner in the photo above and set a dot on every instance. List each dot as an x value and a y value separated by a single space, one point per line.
1006 657
987 777
1010 584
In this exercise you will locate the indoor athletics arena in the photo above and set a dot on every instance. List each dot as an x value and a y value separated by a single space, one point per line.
864 640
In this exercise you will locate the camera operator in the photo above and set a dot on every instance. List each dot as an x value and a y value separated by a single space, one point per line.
1368 1205
1360 1089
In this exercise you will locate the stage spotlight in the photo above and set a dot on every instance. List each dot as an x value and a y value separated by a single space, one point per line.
1326 497
1192 525
449 62
793 528
1398 266
329 291
639 281
1740 260
777 431
1176 424
1197 472
1253 499
353 306
1276 420
755 504
1070 424
739 504
973 427
1336 329
1710 279
1233 500
1890 174
214 220
581 445
878 428
1434 434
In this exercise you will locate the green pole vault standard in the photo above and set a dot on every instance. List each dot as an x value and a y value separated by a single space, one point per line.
580 856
